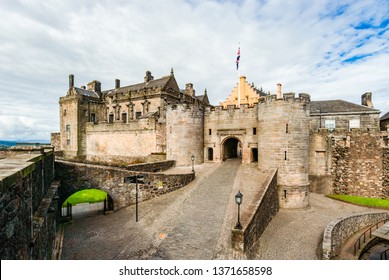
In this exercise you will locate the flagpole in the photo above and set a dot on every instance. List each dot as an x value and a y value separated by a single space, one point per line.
238 89
237 68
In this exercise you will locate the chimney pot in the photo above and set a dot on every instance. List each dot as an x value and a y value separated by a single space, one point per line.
71 81
148 77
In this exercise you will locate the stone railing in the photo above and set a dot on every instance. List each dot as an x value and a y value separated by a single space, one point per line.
339 230
256 217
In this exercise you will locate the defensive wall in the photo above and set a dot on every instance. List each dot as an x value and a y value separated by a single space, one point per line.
350 162
131 142
28 204
221 124
78 176
339 230
257 216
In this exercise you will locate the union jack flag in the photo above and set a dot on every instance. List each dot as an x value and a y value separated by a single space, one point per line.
237 59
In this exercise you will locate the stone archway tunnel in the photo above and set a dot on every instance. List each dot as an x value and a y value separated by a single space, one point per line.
74 177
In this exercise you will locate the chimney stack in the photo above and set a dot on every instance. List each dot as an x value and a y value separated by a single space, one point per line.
189 89
367 100
71 81
117 83
279 91
95 86
148 77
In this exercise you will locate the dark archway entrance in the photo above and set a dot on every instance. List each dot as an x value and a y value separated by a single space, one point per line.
210 153
232 149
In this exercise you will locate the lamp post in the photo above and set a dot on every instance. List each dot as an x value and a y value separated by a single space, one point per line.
134 179
193 158
238 200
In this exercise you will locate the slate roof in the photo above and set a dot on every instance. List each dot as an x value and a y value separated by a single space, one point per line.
385 117
161 82
85 92
339 106
203 98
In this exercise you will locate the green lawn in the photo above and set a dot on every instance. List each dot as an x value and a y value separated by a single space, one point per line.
84 196
364 201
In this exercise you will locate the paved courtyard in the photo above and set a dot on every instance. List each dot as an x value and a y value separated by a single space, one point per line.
194 222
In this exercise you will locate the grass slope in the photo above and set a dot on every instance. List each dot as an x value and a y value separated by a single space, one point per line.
364 201
85 196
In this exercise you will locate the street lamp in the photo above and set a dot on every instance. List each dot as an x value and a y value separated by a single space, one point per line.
193 158
238 200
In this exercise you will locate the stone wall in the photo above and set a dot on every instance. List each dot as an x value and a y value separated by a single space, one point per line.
78 176
55 141
184 135
283 143
257 216
338 231
131 142
28 206
354 163
357 164
221 124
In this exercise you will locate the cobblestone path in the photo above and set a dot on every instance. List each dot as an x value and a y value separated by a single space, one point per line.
184 224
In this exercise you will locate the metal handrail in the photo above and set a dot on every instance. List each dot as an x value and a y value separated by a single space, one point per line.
358 242
384 253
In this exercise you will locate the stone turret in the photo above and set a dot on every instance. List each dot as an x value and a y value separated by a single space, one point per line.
283 143
184 134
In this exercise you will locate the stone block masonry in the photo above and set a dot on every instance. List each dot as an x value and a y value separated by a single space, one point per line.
78 176
256 218
338 231
28 207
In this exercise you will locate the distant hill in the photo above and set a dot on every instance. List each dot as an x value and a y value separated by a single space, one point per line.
9 143
5 144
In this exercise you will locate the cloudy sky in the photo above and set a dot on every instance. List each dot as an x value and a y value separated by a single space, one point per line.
329 49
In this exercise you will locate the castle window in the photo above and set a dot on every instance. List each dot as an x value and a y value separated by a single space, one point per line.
68 128
287 128
124 117
64 112
110 120
138 115
92 117
210 131
68 142
329 124
254 131
286 153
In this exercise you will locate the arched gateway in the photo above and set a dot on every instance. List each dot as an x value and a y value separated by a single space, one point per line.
232 148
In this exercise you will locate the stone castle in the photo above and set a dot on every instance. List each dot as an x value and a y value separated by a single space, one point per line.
329 146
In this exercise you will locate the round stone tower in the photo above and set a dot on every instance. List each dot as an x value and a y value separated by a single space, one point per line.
184 134
283 143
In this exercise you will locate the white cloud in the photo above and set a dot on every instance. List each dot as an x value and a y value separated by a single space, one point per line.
301 44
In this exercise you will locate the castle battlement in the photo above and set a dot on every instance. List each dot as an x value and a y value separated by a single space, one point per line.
230 108
291 96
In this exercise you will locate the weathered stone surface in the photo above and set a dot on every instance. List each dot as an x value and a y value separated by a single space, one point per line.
78 176
26 196
337 232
